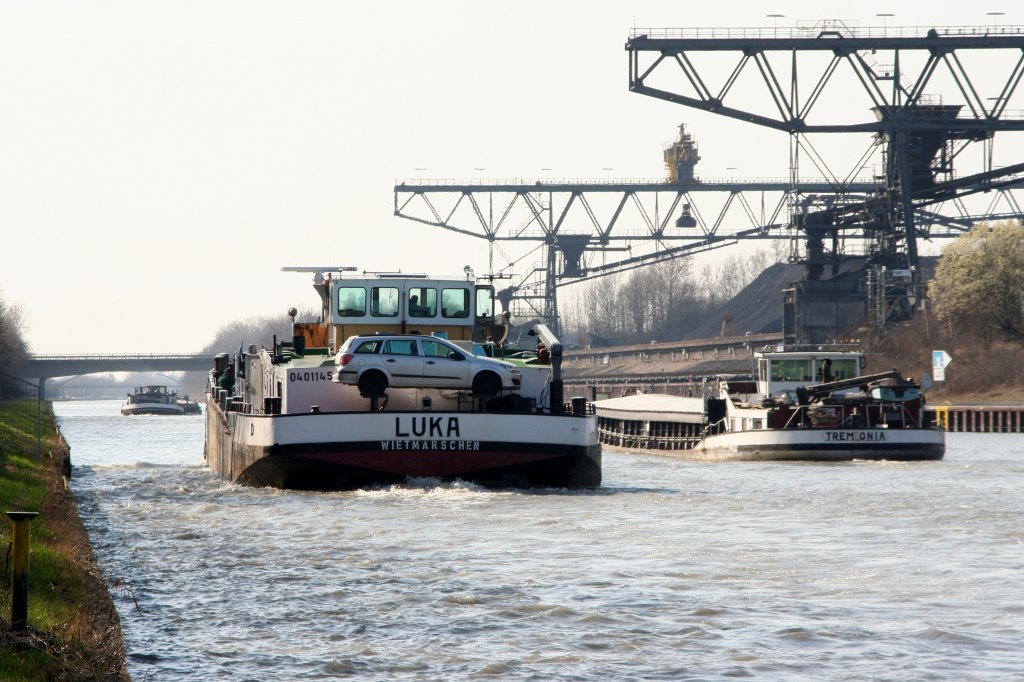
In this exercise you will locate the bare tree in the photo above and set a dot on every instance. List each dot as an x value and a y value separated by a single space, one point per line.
635 303
13 349
661 301
673 297
600 305
254 330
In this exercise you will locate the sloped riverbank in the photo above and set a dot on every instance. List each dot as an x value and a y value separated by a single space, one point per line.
74 632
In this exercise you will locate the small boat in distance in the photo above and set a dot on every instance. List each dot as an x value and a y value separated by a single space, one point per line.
809 404
190 405
153 400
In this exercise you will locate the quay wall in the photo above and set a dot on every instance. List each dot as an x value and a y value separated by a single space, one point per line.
978 418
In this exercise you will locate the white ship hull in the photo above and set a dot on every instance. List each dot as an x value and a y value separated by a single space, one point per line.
678 426
346 450
825 445
151 408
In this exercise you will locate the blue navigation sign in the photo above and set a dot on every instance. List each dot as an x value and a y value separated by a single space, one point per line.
940 360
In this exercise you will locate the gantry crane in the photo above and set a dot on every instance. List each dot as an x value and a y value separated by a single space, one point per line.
920 142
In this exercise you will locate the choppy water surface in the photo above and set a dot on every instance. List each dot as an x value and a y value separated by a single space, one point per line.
673 570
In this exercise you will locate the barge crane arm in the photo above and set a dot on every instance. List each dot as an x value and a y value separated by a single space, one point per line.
807 393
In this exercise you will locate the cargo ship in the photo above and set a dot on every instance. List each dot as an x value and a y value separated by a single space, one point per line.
158 400
152 400
285 417
811 404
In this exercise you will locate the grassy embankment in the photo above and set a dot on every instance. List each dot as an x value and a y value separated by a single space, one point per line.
983 371
73 630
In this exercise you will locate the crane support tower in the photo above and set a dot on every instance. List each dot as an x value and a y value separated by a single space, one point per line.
681 157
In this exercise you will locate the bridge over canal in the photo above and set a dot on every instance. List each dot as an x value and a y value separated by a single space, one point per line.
43 367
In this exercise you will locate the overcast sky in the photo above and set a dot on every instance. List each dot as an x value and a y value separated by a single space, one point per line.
159 162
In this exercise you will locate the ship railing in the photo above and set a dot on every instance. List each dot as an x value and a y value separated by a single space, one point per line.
830 29
857 420
715 427
644 441
913 418
798 415
579 407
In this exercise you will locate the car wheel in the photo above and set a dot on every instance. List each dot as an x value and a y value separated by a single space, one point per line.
373 383
486 383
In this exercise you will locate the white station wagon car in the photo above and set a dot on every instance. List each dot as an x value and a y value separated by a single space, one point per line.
373 363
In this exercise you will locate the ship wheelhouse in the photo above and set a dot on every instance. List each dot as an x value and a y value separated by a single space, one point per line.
454 309
400 303
783 371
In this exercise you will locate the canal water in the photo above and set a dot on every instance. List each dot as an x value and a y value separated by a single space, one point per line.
672 570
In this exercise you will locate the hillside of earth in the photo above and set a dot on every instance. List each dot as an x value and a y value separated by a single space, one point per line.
984 370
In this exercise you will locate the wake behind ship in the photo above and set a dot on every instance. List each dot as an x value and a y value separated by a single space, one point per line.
402 378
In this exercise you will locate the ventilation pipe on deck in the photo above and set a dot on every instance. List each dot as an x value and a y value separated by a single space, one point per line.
555 347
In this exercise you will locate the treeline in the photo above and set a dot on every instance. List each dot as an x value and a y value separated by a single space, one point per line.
979 283
258 331
13 349
658 302
976 316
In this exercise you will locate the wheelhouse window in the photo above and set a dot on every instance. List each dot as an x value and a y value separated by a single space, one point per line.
422 302
791 370
843 369
384 301
484 302
454 302
351 302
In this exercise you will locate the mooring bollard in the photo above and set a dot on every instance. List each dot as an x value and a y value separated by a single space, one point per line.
21 537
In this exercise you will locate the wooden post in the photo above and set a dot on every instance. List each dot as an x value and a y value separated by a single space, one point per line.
21 537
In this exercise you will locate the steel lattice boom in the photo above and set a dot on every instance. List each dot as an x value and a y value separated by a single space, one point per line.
925 102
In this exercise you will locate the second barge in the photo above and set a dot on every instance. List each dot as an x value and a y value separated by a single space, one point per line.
804 404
